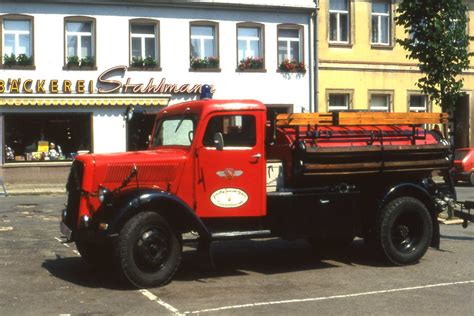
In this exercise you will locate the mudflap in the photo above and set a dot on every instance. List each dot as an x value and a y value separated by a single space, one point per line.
465 213
206 259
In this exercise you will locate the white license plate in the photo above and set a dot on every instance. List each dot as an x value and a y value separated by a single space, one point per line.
65 230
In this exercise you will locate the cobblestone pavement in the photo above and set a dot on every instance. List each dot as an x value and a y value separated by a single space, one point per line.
39 275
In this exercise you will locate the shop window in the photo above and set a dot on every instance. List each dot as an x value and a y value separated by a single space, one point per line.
236 130
380 101
80 42
339 100
250 46
339 21
144 44
290 44
418 103
17 41
204 46
381 23
46 137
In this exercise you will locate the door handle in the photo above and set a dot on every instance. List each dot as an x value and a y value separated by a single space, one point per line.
257 156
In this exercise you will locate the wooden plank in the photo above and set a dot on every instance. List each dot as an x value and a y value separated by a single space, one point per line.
382 118
301 119
361 118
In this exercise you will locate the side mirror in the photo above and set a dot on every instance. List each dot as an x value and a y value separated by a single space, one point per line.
219 141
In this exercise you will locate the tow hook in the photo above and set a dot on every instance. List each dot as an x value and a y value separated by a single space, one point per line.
465 212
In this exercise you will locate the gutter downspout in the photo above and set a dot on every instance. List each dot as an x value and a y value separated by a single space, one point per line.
316 57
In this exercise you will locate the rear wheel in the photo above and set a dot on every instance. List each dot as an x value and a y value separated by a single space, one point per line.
404 230
148 250
471 179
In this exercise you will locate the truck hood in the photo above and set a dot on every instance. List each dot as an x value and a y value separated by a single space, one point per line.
158 168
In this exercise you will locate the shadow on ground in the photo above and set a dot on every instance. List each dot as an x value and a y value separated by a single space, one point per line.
232 258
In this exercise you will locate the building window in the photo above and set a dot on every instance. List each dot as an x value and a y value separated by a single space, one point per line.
381 23
339 21
46 137
339 101
17 41
250 46
144 44
80 42
204 48
418 103
380 101
290 44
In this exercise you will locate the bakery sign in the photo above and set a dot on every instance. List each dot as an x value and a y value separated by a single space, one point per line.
112 80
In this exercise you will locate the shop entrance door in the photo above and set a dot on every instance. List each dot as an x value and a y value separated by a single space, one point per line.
139 129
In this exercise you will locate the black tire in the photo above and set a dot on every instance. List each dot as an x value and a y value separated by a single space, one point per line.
471 179
404 230
95 254
148 251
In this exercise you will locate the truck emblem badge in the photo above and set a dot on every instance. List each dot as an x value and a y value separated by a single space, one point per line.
229 173
229 198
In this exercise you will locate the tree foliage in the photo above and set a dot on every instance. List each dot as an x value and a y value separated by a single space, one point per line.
437 38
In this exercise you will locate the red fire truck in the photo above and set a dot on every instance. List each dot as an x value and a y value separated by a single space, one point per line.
215 167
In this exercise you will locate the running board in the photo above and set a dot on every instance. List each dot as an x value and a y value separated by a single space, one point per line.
242 235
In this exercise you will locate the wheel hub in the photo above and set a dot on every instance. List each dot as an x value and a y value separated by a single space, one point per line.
152 249
406 233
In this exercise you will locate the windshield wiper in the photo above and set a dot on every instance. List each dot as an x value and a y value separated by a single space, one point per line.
179 124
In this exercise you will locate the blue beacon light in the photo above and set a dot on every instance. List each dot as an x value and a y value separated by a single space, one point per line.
205 92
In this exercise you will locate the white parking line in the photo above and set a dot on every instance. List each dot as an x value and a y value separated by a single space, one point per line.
154 298
312 299
66 245
146 293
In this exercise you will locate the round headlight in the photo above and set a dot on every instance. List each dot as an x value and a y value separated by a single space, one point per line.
103 194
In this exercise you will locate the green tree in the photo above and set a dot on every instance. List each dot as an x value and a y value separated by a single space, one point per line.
437 38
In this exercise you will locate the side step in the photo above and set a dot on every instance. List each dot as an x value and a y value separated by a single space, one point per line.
237 235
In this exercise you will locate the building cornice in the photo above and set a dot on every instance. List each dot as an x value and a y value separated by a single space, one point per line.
375 66
264 5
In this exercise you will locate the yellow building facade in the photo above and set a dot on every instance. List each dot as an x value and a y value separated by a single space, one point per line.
361 66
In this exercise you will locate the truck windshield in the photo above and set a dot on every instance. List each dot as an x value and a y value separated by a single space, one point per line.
176 130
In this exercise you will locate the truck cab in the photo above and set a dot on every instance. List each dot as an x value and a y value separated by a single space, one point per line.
218 167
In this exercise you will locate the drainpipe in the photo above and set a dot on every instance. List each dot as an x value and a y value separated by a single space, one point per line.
316 57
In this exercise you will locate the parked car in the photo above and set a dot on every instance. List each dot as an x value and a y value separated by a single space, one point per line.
464 165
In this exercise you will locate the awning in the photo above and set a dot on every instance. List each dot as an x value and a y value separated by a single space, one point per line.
74 101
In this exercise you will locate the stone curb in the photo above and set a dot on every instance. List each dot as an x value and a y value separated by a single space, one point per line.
38 191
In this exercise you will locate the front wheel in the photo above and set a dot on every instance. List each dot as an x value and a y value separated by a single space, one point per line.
404 230
471 179
148 250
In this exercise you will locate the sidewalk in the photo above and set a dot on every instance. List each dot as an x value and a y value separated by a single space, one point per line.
34 189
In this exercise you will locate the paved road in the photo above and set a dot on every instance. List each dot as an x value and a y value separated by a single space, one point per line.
39 275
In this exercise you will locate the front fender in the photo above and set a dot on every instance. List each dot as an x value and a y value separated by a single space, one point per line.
128 203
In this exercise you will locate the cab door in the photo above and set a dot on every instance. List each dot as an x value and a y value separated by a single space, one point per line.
230 178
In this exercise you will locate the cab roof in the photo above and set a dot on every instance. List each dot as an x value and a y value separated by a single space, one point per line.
206 106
